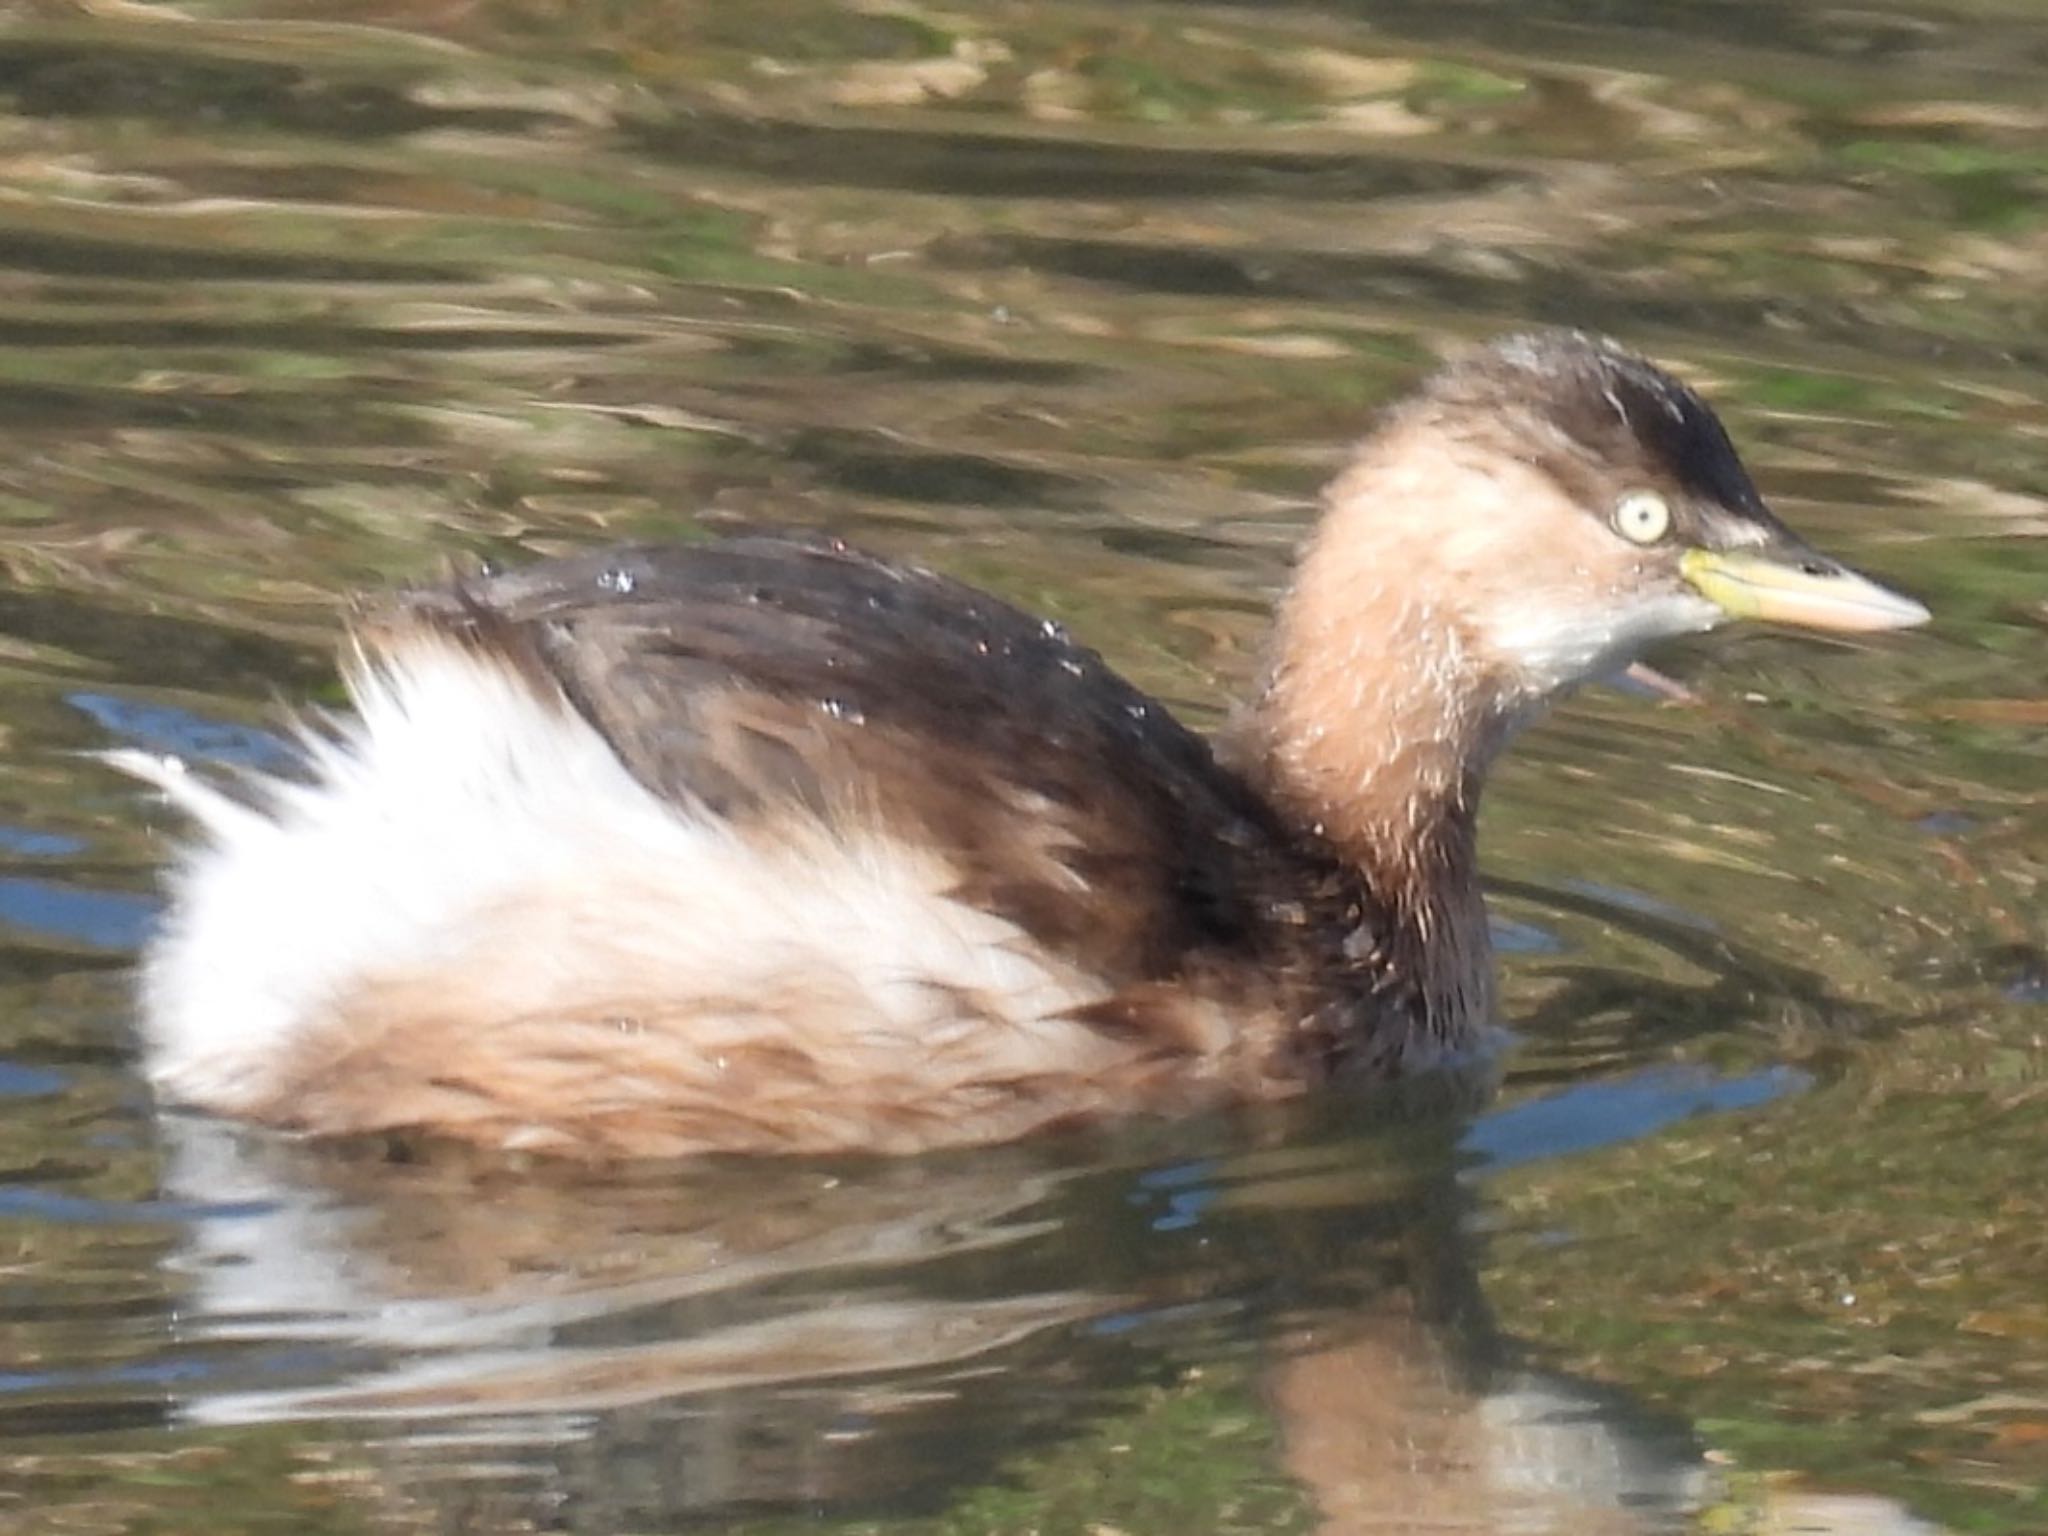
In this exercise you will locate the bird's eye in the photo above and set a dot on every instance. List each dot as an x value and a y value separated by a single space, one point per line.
1642 517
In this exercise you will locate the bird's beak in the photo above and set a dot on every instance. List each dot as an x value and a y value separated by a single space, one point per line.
1796 586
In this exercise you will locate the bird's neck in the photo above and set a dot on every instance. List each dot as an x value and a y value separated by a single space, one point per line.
1373 733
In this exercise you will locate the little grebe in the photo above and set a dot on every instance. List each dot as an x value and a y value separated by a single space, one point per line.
771 845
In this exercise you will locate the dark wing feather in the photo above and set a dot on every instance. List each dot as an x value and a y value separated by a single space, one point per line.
766 672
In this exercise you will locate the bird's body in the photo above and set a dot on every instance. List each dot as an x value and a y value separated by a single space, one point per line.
759 845
770 845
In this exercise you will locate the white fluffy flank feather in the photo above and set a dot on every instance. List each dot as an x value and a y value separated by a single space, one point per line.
460 814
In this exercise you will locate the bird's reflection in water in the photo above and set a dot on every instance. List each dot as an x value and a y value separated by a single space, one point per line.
651 1346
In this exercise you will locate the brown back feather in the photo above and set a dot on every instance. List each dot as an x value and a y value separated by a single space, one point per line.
772 674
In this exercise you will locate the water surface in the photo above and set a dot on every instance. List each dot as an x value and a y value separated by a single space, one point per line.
1081 303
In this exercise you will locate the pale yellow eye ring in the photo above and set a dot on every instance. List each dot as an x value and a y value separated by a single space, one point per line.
1642 517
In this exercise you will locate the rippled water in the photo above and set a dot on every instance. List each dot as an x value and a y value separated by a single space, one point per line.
1081 303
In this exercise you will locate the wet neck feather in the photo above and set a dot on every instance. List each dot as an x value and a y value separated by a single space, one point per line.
1378 722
